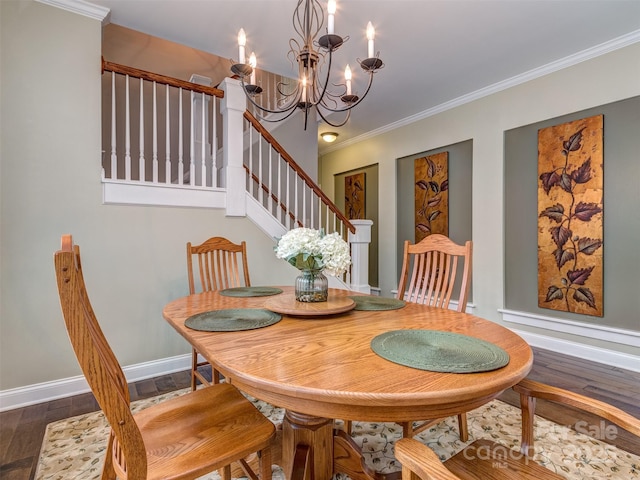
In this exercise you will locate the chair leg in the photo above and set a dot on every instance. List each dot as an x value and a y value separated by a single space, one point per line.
264 462
407 430
528 408
108 472
225 472
194 367
462 426
347 426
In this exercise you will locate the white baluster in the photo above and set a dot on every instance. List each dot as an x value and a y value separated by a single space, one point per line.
250 128
214 142
167 162
141 161
327 223
287 208
180 142
155 134
304 205
192 143
127 133
203 150
260 191
279 194
114 156
270 185
297 197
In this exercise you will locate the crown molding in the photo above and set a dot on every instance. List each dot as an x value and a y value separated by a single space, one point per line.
602 49
81 7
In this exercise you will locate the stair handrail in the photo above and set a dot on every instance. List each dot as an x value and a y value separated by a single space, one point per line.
299 171
158 78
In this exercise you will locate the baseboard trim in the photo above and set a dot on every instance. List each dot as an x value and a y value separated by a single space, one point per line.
579 350
599 332
579 329
66 387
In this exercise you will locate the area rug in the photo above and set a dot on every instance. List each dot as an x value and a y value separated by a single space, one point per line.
74 448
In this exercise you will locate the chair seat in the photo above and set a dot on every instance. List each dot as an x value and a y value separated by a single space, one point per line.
485 460
227 425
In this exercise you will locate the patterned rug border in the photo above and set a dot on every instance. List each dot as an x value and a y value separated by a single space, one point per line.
74 447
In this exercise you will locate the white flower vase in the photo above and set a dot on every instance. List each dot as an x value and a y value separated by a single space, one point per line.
312 286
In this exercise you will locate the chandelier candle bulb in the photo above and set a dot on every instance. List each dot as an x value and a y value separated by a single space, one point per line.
371 34
347 77
242 41
253 63
304 89
331 10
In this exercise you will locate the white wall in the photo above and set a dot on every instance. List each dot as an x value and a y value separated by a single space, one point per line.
133 257
607 78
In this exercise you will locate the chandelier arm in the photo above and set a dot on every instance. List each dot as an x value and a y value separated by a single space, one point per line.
326 81
289 112
286 109
354 104
335 125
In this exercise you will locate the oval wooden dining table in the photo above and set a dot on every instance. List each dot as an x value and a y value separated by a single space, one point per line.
322 367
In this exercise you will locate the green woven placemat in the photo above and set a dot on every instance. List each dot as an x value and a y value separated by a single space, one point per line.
368 302
250 291
232 320
438 351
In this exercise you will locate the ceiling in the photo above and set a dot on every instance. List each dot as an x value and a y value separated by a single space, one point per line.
436 52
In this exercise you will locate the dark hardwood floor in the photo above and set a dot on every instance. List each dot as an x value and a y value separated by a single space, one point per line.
22 430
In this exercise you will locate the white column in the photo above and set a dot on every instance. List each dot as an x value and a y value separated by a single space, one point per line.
233 177
359 242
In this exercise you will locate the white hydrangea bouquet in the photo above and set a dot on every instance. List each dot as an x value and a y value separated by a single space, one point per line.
310 249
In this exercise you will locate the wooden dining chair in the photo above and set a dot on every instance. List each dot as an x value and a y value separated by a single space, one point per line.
220 264
181 438
485 459
429 275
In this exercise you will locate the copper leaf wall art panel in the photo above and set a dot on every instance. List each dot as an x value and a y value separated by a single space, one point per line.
431 195
570 217
354 196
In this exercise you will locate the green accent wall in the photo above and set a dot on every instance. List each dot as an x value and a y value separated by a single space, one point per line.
621 216
370 209
460 192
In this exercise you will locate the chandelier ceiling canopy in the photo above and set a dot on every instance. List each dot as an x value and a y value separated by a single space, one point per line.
314 57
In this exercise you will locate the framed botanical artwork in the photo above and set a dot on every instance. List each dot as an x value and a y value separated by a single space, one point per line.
570 216
431 174
354 196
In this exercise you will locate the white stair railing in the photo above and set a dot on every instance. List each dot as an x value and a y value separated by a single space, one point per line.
173 119
282 187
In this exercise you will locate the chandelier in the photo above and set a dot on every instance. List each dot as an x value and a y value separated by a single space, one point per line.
314 57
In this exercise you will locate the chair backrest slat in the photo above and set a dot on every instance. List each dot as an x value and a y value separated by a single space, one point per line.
433 265
98 362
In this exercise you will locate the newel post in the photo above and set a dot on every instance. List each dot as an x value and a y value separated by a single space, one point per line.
233 176
359 243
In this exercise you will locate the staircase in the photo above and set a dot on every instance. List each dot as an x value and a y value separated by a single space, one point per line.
175 143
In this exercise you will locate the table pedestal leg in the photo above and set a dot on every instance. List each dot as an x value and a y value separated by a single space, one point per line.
307 446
